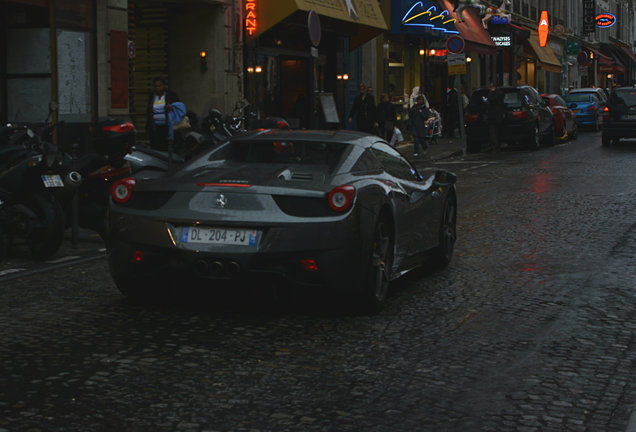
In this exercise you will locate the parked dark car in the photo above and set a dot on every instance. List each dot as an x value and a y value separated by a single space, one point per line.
588 109
526 119
335 209
565 126
619 119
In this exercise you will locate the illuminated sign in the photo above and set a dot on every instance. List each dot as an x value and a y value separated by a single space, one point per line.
250 17
502 41
605 20
544 29
589 9
432 18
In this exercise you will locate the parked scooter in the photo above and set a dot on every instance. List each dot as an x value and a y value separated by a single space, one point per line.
29 211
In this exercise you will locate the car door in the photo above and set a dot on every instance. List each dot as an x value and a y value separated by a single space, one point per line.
546 122
415 206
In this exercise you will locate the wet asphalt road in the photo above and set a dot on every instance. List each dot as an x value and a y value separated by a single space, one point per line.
531 328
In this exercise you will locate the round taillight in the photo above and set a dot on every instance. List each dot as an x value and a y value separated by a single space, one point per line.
341 198
121 190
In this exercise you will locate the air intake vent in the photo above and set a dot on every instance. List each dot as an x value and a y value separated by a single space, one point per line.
302 176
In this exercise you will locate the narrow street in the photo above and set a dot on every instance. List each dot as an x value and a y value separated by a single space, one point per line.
531 328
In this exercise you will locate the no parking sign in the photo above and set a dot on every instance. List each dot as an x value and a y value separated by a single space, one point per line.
455 44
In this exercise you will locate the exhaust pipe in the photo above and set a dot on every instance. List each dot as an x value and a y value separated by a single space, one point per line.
201 267
216 268
73 179
233 269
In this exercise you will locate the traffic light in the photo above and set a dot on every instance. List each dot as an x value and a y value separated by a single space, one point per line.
203 61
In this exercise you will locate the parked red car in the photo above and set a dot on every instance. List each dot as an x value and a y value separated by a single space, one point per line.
565 126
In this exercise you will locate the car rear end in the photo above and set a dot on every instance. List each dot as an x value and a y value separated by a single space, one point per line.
585 107
518 119
619 119
239 221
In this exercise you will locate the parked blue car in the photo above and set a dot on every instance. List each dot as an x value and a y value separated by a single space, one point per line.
588 109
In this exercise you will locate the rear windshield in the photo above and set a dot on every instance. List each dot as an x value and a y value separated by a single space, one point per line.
512 98
281 152
627 97
578 97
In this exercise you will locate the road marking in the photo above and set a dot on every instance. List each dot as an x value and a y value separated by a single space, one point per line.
63 259
9 271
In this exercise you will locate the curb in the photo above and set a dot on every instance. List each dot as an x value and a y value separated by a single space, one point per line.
631 424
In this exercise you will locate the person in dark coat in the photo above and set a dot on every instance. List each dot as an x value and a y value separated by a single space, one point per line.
452 113
363 110
419 117
494 110
386 117
159 104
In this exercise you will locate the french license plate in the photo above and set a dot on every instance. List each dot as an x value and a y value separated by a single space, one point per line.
629 117
227 236
576 111
52 180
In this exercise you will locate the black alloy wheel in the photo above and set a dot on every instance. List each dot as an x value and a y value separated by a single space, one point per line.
447 234
378 272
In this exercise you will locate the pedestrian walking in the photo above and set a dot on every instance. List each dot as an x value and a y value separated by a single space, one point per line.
419 118
386 117
494 112
363 110
159 105
452 113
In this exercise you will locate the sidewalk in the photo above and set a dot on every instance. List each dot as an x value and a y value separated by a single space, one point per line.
444 148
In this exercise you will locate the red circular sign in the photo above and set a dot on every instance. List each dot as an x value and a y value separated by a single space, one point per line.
313 26
455 44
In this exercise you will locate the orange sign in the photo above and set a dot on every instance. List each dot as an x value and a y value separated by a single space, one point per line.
250 17
544 28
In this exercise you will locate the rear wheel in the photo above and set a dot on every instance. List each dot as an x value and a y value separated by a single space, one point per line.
376 276
447 235
534 140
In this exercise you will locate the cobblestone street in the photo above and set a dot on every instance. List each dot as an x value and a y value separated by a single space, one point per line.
531 328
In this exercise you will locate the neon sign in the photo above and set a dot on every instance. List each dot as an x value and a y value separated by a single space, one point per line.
250 17
429 18
544 29
605 20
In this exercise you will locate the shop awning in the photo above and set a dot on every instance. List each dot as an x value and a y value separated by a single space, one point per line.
549 61
471 29
629 54
361 19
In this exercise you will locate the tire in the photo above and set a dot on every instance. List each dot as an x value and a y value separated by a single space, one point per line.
4 244
376 275
606 140
46 231
534 141
548 138
575 133
443 254
134 289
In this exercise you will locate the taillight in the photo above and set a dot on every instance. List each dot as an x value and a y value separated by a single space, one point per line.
282 124
121 191
472 117
591 108
606 113
520 114
122 127
341 198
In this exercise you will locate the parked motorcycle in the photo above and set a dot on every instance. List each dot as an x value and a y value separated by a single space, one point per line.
29 212
92 174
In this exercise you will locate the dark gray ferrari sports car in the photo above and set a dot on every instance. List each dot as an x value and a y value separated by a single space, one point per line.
340 210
